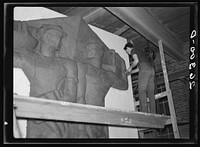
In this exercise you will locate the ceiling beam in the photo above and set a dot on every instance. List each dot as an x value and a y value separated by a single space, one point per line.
88 13
121 30
94 14
149 27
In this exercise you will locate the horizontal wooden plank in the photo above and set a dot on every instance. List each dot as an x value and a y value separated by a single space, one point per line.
157 96
162 94
30 107
121 30
173 76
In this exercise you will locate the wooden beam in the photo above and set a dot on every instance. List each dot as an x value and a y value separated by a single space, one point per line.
30 107
121 30
94 14
169 122
157 96
149 27
88 13
174 76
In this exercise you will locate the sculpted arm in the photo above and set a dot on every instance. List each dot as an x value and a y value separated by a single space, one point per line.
120 80
18 60
70 87
23 36
24 61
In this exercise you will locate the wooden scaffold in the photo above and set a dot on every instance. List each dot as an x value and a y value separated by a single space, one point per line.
31 107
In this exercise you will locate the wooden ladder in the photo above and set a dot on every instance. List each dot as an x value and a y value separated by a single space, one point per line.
168 92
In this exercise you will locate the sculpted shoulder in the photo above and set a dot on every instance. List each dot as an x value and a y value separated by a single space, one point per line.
66 60
69 64
25 54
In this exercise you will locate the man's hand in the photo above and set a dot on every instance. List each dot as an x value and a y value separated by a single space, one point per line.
129 69
127 73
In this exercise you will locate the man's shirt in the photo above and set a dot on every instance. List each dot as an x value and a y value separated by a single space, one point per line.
143 59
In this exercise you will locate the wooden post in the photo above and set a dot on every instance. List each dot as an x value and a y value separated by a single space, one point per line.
169 93
16 130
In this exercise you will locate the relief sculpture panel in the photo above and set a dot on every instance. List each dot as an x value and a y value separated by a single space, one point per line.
65 60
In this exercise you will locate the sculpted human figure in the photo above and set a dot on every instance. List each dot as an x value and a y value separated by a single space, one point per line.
60 78
94 84
50 77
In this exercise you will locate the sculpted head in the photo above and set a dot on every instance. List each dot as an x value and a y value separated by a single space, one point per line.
51 35
93 54
93 50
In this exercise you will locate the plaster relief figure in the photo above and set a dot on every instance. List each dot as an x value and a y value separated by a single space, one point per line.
60 78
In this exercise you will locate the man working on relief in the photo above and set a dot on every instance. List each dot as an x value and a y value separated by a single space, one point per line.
145 77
